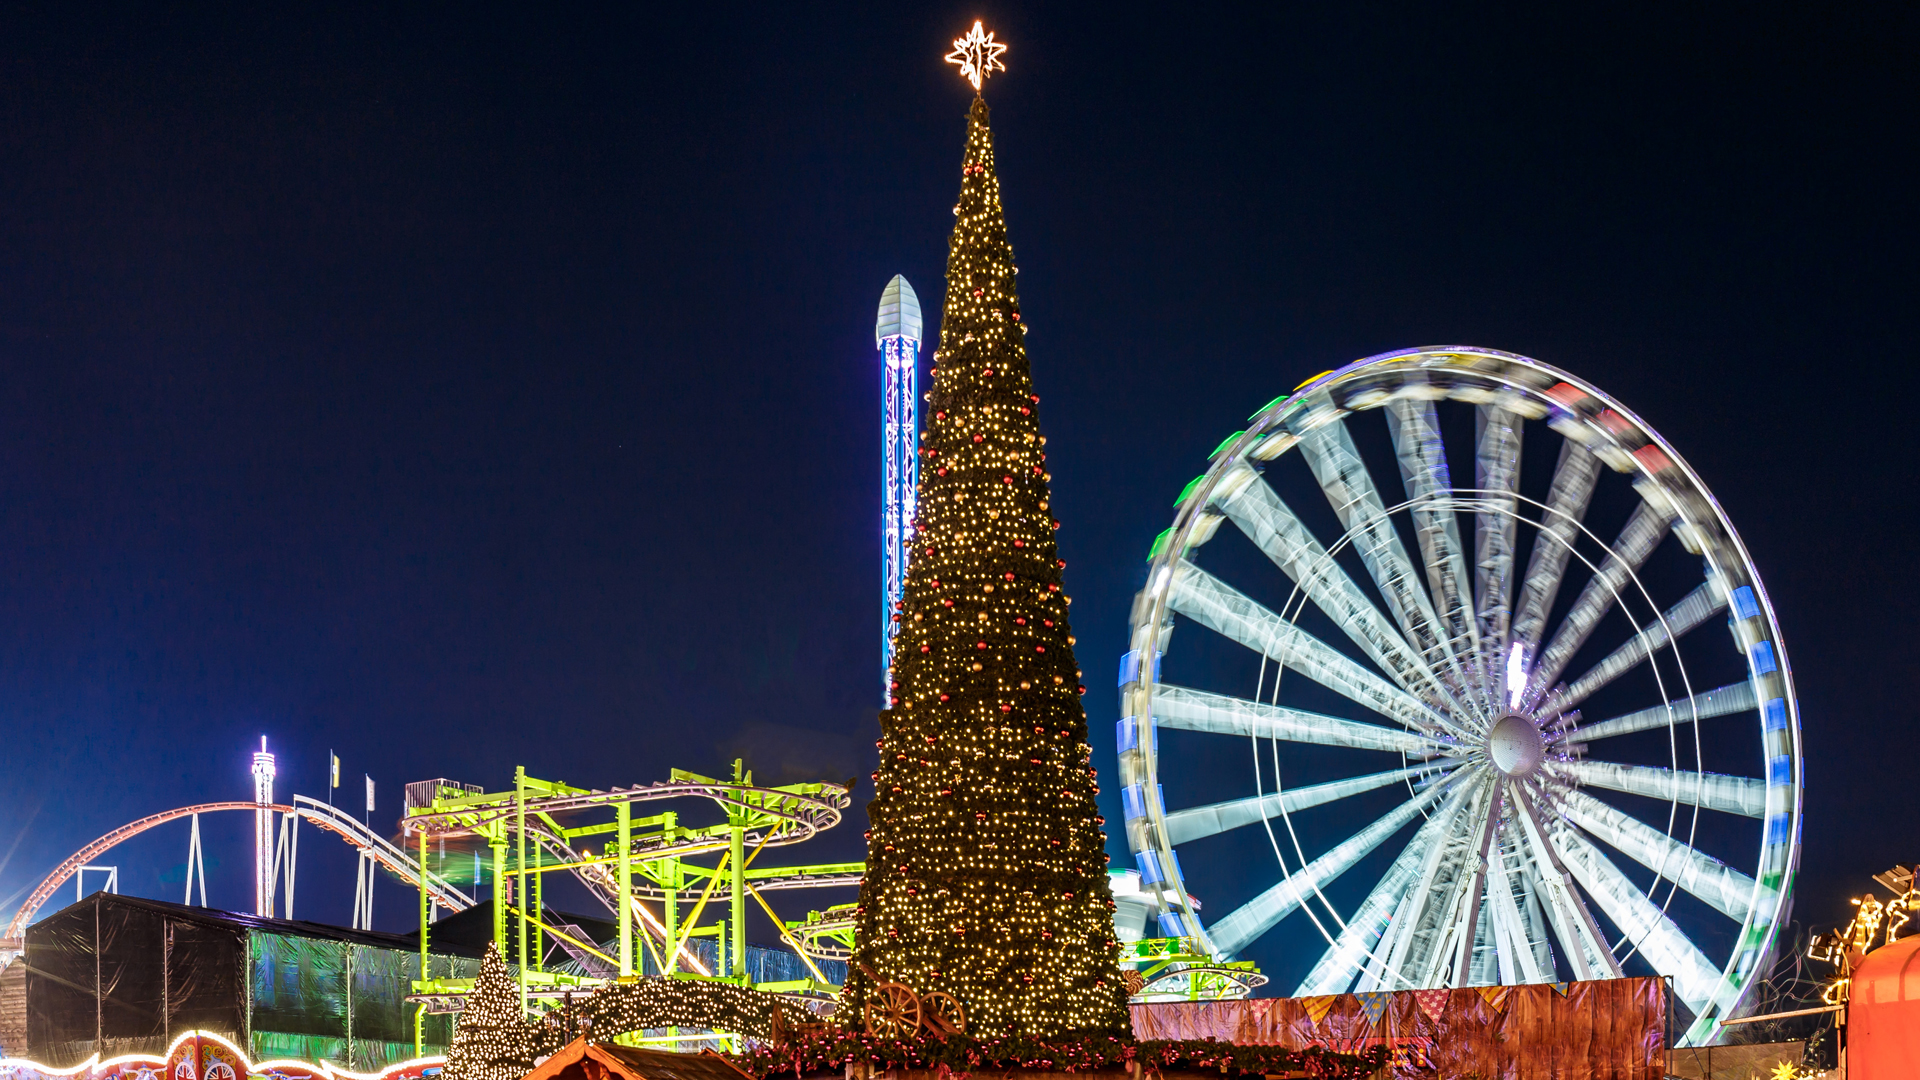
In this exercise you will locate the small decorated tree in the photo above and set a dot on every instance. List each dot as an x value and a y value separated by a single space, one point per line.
490 1042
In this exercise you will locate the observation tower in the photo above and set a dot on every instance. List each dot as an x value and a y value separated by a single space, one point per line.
897 336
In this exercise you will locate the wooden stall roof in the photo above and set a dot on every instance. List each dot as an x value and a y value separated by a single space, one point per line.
581 1060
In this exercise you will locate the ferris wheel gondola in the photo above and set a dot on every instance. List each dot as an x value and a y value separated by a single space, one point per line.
1459 669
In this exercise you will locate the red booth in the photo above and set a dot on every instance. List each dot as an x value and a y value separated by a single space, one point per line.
1883 1014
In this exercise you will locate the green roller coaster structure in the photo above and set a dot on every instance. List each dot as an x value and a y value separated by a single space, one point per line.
538 827
1181 969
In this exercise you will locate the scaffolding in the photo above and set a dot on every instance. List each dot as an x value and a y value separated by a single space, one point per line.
542 827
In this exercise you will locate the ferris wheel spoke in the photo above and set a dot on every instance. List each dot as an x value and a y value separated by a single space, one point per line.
1521 953
1429 484
1462 921
1710 791
1336 464
1197 822
1566 912
1420 920
1553 893
1386 968
1692 610
1528 895
1259 915
1642 533
1573 481
1219 607
1720 886
1491 962
1649 930
1531 929
1336 968
1255 508
1495 957
1733 698
1497 474
1197 710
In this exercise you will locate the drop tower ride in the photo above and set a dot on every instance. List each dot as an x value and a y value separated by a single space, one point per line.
897 335
263 773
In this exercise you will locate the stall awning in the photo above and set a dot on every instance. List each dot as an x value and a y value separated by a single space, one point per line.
581 1060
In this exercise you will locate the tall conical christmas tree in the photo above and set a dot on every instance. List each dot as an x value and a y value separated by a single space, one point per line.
986 860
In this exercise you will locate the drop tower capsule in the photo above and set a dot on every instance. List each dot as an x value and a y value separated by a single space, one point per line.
897 336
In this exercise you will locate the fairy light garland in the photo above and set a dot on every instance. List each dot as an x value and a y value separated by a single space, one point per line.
653 1003
494 1041
986 860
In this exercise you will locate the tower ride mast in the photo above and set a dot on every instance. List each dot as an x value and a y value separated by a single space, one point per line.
263 773
897 335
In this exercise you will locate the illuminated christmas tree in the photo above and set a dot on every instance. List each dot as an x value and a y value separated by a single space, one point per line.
491 1041
986 860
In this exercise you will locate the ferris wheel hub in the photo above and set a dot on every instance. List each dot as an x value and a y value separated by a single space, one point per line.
1515 745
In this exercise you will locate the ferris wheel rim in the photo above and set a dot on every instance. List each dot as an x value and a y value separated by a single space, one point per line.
1521 378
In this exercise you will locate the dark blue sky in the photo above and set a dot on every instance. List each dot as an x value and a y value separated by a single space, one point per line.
468 387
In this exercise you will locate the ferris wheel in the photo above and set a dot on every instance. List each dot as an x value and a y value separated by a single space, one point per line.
1387 666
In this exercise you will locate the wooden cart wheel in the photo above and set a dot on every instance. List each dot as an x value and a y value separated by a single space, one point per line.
893 1011
777 1032
942 1014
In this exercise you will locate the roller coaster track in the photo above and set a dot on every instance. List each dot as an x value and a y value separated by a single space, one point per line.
334 820
381 850
798 817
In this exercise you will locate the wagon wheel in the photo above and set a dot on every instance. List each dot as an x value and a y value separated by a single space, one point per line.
942 1014
893 1011
776 1028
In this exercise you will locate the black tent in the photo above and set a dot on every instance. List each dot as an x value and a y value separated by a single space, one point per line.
118 974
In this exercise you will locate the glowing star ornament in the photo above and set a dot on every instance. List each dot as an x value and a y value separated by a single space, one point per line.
978 55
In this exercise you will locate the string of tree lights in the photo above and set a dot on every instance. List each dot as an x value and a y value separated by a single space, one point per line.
832 1050
986 863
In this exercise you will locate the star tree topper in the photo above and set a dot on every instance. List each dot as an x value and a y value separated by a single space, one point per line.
978 55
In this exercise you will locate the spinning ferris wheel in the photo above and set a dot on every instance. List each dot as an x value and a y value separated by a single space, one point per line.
1388 664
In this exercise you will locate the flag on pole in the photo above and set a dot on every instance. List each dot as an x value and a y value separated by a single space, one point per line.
369 794
336 767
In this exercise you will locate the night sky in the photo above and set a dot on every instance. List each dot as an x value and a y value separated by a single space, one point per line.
475 387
